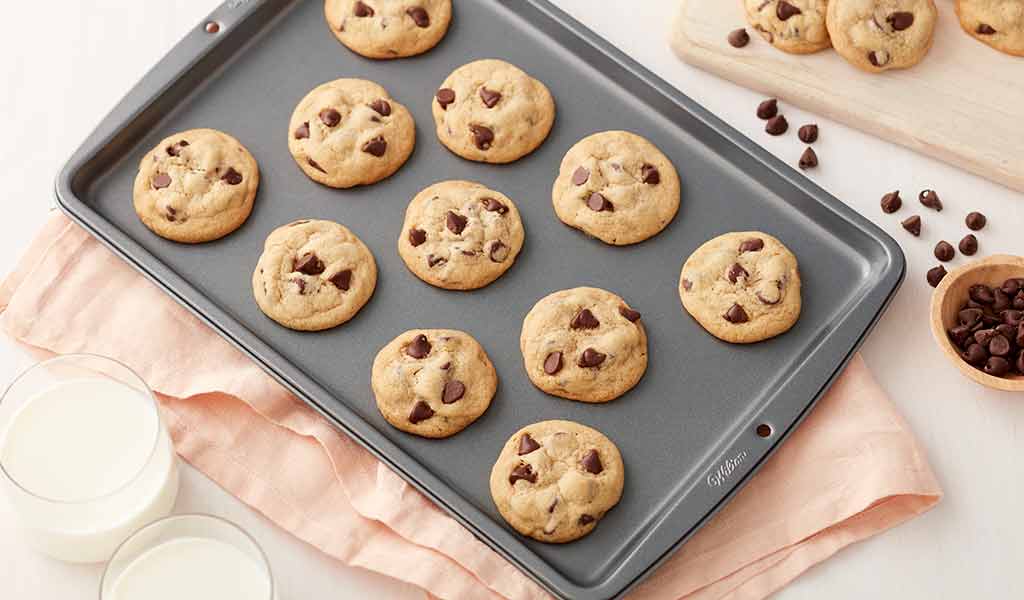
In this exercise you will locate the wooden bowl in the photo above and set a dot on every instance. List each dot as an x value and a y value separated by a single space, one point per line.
951 294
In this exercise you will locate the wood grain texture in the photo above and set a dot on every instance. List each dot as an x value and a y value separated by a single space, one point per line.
963 104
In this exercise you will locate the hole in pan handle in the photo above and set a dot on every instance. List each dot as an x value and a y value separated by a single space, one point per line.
764 430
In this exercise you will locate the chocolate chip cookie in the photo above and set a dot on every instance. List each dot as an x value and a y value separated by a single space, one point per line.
742 287
350 132
459 235
794 26
584 344
998 23
388 28
196 186
433 382
555 480
878 35
617 187
313 275
490 111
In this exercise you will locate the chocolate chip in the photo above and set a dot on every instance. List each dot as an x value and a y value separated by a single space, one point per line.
630 314
580 176
419 347
930 199
302 131
377 146
553 363
913 225
498 252
809 159
489 97
492 205
900 20
453 392
419 16
981 294
1002 300
301 284
445 96
784 10
1011 317
935 275
735 272
551 508
975 221
590 358
362 10
649 174
891 202
597 203
313 164
330 117
527 444
586 520
1020 362
768 109
421 411
417 236
455 222
776 125
960 335
984 336
969 316
985 29
878 58
968 245
342 279
1018 302
687 284
751 245
434 260
1019 338
975 355
584 320
999 346
446 366
1012 286
308 264
739 38
171 213
944 251
175 149
736 314
232 177
522 471
808 134
482 136
381 106
591 462
997 366
161 180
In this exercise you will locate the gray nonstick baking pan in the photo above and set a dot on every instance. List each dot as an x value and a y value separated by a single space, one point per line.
689 432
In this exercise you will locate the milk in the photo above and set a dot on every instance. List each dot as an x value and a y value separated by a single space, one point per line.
88 462
194 568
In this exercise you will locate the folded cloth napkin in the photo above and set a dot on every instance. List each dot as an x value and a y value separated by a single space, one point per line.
853 469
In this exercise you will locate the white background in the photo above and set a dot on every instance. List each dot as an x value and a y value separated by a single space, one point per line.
64 64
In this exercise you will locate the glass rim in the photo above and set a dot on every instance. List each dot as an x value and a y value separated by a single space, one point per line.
152 405
196 516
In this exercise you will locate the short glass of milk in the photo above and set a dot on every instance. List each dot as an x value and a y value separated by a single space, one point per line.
194 557
85 457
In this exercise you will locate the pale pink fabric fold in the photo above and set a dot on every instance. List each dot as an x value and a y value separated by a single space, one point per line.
852 470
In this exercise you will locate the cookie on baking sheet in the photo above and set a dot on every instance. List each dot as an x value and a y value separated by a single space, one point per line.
998 23
490 111
584 344
350 132
795 26
459 235
554 480
878 35
388 28
742 287
196 186
617 187
313 275
433 382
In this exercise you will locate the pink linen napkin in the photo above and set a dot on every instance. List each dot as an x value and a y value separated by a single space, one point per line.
852 470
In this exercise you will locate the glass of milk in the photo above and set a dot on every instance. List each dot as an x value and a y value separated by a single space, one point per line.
85 458
194 557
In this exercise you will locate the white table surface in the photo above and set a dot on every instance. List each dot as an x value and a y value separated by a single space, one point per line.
65 64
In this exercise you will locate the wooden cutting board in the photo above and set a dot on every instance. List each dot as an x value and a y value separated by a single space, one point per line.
963 104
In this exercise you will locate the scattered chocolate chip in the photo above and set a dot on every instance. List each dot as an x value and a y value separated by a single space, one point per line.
434 260
342 279
930 199
527 444
975 221
482 136
784 10
445 96
997 366
522 471
808 134
590 358
161 180
900 20
913 225
768 109
421 411
597 203
891 202
944 251
630 314
591 462
649 174
878 58
417 236
776 125
553 363
735 272
381 106
498 251
580 176
314 164
231 177
739 38
751 245
419 16
362 10
985 29
302 131
935 275
968 245
492 205
419 347
586 520
175 149
736 314
455 222
809 159
584 320
975 354
330 117
453 392
376 147
489 97
308 264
